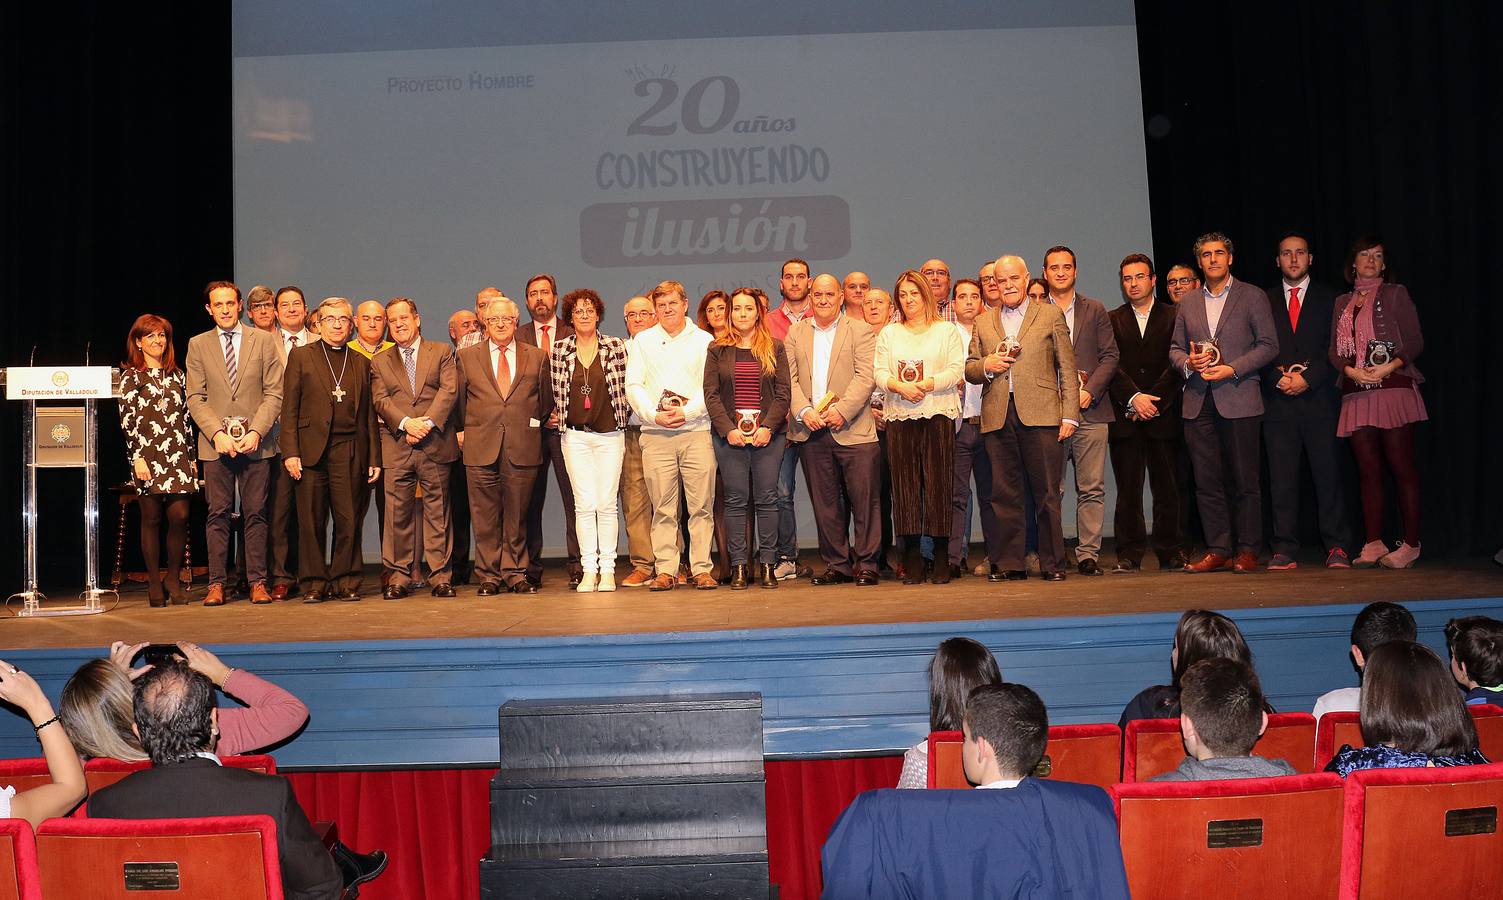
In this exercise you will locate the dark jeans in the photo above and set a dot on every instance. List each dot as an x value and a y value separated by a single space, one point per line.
758 466
787 534
1224 453
222 478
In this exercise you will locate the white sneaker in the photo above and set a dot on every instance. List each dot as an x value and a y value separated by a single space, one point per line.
607 582
586 584
785 570
1372 551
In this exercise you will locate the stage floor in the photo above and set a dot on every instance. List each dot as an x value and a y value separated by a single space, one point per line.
558 612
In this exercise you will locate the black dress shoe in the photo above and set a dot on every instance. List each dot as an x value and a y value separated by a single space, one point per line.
1056 575
574 579
524 587
1089 567
538 582
357 868
830 576
350 596
1124 567
394 592
443 590
866 578
740 577
315 597
957 570
1175 563
768 576
940 573
1009 575
490 589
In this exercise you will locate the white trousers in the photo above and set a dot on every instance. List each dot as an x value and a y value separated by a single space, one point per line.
594 464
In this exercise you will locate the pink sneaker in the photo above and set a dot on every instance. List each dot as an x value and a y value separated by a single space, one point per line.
1372 551
1402 557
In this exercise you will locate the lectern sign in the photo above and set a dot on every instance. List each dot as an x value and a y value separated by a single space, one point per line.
58 383
59 437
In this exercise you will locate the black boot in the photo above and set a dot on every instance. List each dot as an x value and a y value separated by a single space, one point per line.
155 594
913 561
740 577
939 572
769 575
357 868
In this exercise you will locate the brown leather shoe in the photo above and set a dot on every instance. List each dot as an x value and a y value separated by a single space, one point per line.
664 582
704 581
215 596
1211 562
280 592
637 578
1247 561
683 575
259 594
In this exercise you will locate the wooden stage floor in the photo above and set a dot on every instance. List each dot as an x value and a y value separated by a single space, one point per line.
558 612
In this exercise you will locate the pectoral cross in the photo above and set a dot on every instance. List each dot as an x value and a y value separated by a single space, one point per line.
338 393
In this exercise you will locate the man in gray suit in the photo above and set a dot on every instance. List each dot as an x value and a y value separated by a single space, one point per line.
1223 336
415 387
234 376
507 396
1022 357
830 366
1096 359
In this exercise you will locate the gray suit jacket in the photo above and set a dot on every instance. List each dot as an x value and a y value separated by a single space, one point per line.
437 395
1247 340
1096 355
1044 383
258 397
849 376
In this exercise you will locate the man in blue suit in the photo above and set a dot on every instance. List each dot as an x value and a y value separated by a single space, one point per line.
1223 337
1015 836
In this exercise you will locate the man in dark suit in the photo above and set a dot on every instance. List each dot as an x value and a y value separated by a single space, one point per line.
1095 363
1028 411
506 397
1223 337
330 448
1145 433
542 331
838 442
1301 404
177 722
291 332
414 388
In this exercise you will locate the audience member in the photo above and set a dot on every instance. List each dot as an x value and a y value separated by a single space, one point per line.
1476 644
958 665
67 788
1201 634
1037 838
1221 717
1412 716
1377 624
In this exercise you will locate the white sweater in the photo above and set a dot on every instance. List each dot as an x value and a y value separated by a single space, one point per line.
657 361
943 351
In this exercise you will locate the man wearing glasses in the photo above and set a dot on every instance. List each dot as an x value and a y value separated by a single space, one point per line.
1180 280
937 273
508 394
635 506
991 292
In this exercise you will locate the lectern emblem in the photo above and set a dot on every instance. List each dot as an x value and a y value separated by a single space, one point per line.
61 433
60 378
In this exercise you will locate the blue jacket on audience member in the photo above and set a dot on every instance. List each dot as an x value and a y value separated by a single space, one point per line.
1039 840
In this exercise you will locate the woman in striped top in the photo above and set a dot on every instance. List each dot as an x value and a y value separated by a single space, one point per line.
746 394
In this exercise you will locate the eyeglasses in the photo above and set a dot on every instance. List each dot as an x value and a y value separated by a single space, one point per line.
935 273
988 279
1176 282
335 319
640 315
500 320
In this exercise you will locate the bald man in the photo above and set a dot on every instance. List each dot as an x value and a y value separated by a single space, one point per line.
937 273
854 290
461 324
1029 408
640 315
991 295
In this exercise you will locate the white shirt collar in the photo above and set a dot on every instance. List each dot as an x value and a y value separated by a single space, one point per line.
1303 284
204 754
1225 290
1000 784
224 331
417 343
834 323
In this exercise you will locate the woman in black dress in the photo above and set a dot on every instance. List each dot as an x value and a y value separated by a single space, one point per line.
154 417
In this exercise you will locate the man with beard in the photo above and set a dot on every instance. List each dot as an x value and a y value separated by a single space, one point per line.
793 282
541 332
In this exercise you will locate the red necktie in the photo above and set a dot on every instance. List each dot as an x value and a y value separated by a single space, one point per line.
1294 309
503 373
547 341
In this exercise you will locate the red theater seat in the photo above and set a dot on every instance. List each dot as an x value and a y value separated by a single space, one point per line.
1273 838
18 861
1089 754
24 774
1341 728
1154 746
103 772
226 858
1422 833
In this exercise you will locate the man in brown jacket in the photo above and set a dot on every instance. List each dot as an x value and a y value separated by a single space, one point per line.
507 396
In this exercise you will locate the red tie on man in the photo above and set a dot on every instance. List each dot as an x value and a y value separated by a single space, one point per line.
547 343
503 373
1294 309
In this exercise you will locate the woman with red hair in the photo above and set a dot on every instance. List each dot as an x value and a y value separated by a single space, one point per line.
154 417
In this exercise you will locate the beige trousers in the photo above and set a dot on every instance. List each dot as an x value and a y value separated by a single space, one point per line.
680 462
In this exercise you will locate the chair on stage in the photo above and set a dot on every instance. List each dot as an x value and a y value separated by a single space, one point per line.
103 771
224 857
1088 754
18 861
1154 746
1338 729
1252 838
1429 832
25 774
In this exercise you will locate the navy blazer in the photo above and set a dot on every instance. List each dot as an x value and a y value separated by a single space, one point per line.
1041 839
1097 355
1246 336
1309 345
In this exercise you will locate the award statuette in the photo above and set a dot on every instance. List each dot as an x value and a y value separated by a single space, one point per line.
1298 368
1009 348
879 399
829 399
748 421
237 427
671 400
1380 353
1209 345
910 371
1083 376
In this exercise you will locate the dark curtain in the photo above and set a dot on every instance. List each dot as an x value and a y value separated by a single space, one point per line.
1343 119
